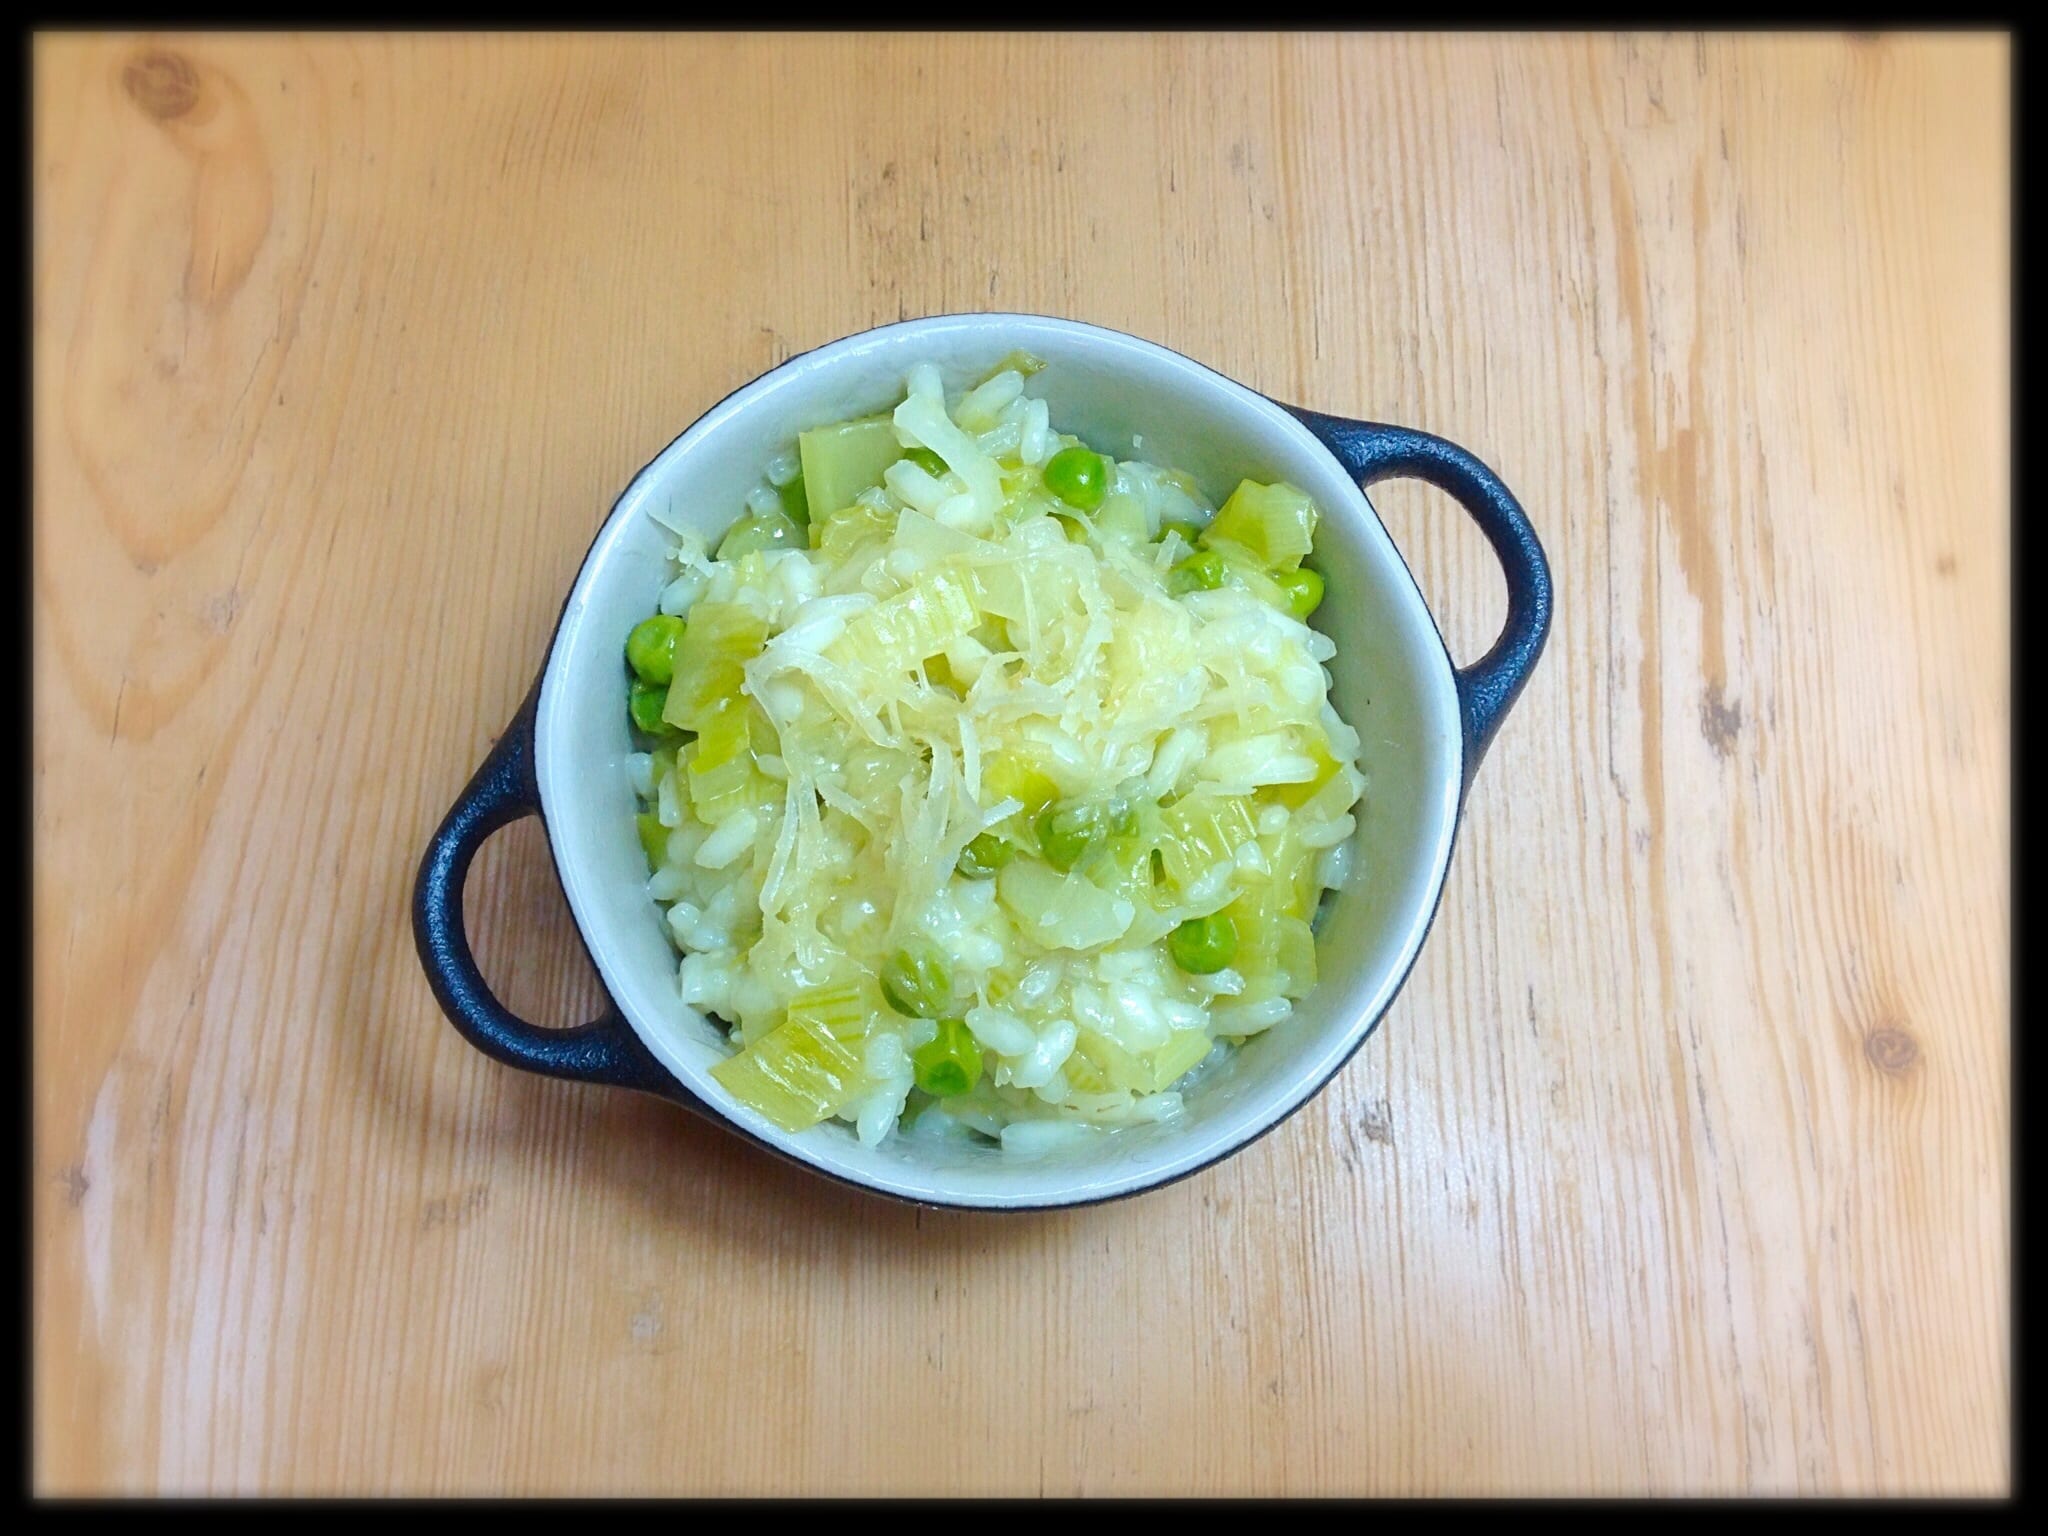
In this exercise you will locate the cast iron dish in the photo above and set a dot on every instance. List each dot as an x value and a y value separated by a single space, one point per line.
1424 722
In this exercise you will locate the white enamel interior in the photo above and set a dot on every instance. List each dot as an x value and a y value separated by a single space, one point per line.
1393 682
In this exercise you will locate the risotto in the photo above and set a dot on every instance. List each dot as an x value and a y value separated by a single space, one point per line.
990 784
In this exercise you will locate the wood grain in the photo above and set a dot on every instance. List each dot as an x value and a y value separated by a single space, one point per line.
1680 1165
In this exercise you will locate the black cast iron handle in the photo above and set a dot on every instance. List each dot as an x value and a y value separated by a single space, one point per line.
606 1051
1372 451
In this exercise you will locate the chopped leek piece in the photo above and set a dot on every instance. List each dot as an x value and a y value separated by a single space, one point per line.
1100 1065
1316 747
796 1075
796 502
1275 523
982 857
951 1063
1022 362
921 620
914 1107
718 641
653 838
1276 949
1122 517
844 459
760 531
835 535
721 764
1202 831
1015 776
1062 911
1066 832
917 981
843 1010
1184 1050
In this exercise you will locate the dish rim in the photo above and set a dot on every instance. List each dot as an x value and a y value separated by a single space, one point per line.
806 1147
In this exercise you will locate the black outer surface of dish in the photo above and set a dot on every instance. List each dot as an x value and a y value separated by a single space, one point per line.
607 1051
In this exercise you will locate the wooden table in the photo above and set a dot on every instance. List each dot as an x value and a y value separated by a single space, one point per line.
1682 1162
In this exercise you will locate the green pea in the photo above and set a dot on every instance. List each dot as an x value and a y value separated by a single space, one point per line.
951 1063
1078 477
1304 589
796 502
645 705
651 648
927 461
1203 571
917 981
1189 532
981 858
1202 946
653 838
1067 832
